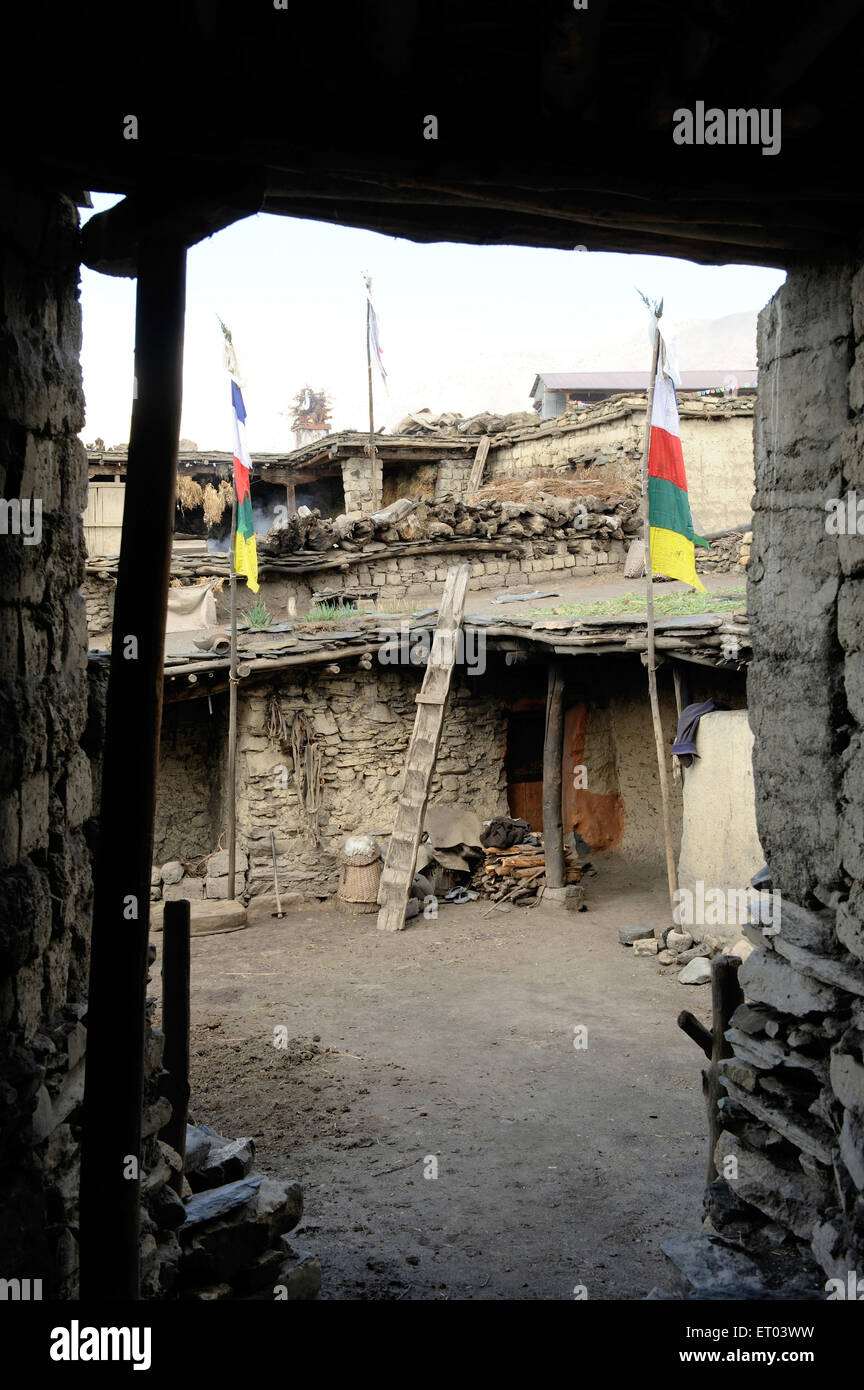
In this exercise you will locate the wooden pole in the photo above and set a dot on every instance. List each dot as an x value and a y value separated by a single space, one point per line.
232 708
671 872
376 499
726 995
553 755
111 1140
176 972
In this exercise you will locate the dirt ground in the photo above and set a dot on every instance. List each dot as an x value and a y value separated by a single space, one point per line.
454 1041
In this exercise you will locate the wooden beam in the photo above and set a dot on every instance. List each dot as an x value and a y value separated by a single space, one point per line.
176 980
395 887
553 756
116 1009
112 241
726 995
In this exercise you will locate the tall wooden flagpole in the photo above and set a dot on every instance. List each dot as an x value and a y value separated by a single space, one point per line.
232 704
231 365
374 475
671 871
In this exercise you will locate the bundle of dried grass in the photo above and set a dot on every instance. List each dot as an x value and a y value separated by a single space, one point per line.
215 500
189 493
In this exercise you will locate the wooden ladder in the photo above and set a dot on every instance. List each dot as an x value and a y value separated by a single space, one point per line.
395 887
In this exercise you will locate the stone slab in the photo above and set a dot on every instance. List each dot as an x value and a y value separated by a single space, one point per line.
207 917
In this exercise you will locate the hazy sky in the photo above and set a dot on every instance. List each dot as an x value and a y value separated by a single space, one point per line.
461 327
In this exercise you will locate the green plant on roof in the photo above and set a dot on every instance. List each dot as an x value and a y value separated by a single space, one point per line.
258 615
330 612
635 605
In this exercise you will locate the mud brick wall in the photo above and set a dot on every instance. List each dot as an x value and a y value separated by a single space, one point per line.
45 777
362 723
794 1113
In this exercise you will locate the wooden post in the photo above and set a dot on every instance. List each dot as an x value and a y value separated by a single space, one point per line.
553 755
111 1140
232 707
671 871
677 770
726 995
175 1026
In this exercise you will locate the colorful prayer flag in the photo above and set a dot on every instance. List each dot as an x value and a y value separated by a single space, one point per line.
245 552
671 525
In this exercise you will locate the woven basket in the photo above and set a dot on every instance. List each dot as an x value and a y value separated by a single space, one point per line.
358 885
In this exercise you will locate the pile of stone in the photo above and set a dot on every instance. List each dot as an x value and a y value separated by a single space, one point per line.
728 554
677 949
234 1225
176 879
793 1116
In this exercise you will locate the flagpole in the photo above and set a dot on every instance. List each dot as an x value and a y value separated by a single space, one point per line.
233 371
232 703
374 475
671 871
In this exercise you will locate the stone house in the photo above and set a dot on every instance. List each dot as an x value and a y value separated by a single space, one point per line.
794 1106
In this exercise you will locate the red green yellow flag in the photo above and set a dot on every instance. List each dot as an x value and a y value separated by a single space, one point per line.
671 525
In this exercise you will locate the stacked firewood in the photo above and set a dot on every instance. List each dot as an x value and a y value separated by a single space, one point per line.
304 529
543 519
519 873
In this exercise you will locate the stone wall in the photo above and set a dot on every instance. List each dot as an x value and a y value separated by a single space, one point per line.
99 598
410 577
794 1115
45 775
357 483
361 723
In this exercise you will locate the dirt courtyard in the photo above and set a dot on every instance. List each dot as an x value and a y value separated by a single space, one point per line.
454 1040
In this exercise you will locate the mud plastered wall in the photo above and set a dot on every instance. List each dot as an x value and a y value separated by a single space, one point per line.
190 811
361 723
794 1114
45 775
717 440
